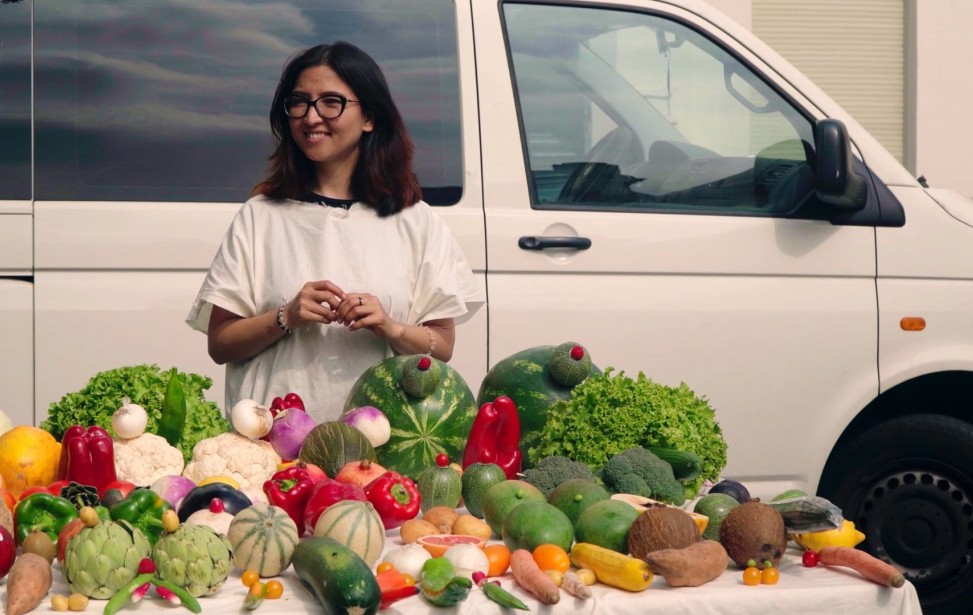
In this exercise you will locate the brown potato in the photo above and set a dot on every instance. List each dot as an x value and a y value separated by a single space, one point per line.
413 529
442 517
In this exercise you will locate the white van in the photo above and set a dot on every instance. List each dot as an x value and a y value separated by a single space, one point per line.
642 176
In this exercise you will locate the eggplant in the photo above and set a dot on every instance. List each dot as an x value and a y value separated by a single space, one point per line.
199 498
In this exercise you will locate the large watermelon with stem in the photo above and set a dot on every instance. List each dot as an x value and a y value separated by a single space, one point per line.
434 417
535 379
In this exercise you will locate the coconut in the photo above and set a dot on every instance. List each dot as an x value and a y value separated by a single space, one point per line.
754 531
661 527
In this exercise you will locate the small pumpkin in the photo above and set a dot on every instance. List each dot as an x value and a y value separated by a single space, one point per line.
29 456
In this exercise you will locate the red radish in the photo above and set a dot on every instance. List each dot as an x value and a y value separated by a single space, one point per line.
8 551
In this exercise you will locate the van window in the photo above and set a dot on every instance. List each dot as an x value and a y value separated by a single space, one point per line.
15 101
151 100
631 111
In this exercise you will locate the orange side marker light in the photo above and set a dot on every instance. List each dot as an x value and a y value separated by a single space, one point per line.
912 323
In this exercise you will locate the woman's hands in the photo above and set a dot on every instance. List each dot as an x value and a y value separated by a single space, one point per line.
324 302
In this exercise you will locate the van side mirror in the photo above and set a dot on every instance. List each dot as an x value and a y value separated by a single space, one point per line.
835 181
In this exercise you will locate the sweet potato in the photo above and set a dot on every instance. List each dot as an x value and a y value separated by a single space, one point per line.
863 563
529 576
690 566
28 582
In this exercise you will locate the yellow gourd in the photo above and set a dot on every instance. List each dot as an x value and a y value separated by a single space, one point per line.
611 567
28 456
845 536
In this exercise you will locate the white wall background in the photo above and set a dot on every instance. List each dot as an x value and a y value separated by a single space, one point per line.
940 51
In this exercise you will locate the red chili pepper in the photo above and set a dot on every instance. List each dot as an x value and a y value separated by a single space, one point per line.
395 498
290 489
87 456
394 595
326 492
495 437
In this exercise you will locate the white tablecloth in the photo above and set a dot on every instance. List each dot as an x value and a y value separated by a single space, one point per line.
821 590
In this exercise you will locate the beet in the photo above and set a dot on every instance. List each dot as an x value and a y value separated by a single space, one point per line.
733 489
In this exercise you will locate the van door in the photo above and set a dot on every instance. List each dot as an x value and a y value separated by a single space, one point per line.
649 194
16 249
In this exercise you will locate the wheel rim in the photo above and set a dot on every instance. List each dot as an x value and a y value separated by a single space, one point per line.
921 521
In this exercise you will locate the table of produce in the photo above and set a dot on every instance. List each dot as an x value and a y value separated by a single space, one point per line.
558 488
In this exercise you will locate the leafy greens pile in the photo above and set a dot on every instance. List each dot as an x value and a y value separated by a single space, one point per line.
144 385
608 414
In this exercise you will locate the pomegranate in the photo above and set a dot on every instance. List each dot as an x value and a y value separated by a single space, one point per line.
359 472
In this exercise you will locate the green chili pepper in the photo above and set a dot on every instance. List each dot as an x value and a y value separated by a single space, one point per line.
440 585
503 597
142 508
121 597
188 600
173 420
43 512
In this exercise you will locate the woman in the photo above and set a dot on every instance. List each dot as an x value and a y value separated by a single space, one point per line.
335 262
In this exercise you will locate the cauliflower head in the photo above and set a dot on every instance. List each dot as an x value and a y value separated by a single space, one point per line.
249 462
146 458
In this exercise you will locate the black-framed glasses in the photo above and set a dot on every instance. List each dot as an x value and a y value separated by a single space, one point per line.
328 107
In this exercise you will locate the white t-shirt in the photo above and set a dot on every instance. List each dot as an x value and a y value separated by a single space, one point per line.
409 260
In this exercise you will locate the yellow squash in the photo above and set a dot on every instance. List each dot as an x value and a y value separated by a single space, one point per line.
611 567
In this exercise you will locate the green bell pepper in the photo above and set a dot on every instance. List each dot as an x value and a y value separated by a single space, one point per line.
440 585
43 512
142 508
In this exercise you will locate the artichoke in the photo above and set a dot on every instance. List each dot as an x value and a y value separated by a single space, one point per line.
194 557
102 558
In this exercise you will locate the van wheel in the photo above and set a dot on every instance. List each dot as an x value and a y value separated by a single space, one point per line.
908 485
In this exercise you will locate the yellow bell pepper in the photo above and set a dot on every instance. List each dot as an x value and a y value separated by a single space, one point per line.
845 536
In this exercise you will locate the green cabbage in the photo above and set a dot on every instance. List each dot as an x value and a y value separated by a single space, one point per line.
608 414
144 385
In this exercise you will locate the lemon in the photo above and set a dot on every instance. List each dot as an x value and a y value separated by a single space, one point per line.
844 536
229 480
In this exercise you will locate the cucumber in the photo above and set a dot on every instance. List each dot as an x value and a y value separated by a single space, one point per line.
341 580
685 465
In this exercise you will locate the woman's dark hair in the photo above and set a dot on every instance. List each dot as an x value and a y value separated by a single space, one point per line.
383 177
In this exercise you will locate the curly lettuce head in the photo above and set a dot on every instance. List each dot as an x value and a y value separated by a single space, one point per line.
608 414
144 385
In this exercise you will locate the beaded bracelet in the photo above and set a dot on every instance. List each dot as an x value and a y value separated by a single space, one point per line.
432 340
280 319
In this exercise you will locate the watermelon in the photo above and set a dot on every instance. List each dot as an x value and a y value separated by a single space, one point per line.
421 427
525 377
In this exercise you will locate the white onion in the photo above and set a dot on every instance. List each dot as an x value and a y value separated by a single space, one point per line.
250 419
408 559
130 420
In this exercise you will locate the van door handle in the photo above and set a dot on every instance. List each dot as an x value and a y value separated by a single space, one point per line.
543 243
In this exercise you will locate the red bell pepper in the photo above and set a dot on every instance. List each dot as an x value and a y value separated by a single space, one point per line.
290 489
394 586
495 437
291 400
395 498
326 492
87 456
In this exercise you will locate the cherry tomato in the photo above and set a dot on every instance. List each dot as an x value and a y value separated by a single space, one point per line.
408 579
751 576
442 460
383 566
274 590
249 577
810 559
769 576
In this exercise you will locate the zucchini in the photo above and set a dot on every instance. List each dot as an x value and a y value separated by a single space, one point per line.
340 579
685 464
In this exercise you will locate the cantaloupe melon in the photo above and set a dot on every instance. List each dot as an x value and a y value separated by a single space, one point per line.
355 525
263 538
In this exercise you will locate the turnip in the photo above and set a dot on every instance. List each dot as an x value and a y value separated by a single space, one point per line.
173 488
290 428
370 421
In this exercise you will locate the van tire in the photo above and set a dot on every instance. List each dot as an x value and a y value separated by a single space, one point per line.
907 483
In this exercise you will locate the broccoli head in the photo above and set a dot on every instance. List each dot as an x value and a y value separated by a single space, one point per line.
554 470
638 470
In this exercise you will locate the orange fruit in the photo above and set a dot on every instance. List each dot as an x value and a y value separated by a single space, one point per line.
552 557
499 557
29 457
437 544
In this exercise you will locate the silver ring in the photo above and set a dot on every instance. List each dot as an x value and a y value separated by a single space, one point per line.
360 302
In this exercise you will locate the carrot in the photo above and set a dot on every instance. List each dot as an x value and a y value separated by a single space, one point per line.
529 576
863 563
28 582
